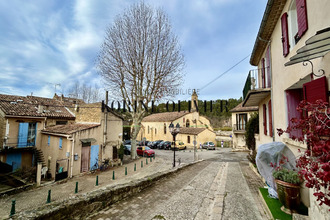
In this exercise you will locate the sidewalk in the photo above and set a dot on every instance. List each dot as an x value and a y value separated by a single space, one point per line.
37 197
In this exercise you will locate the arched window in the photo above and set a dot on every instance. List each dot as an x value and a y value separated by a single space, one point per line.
188 139
164 128
187 123
148 129
155 130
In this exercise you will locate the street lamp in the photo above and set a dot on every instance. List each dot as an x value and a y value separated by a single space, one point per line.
174 131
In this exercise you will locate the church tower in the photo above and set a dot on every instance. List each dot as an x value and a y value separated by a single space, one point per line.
194 98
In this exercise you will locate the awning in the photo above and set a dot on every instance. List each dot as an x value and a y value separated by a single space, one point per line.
316 46
88 140
254 97
300 83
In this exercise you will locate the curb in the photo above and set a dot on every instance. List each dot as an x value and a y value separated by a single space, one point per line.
95 200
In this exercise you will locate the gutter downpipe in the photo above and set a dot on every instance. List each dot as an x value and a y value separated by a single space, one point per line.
72 154
105 124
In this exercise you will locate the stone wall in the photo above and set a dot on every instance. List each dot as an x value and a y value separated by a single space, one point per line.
80 206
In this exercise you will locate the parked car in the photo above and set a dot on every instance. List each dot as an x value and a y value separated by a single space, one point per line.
143 143
179 145
127 149
155 144
145 151
127 142
161 145
167 145
209 145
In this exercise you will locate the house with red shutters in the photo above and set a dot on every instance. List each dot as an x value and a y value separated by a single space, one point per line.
292 59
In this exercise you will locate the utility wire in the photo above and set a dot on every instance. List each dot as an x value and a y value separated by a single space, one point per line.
215 79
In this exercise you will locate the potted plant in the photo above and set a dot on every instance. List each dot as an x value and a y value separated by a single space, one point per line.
288 186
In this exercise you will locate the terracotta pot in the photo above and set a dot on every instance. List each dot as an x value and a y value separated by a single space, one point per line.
289 195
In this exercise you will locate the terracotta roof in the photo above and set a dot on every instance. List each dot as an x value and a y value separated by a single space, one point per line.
69 128
67 101
164 117
28 106
271 16
240 108
191 130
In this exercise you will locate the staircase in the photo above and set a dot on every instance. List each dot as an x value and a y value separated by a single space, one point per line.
38 157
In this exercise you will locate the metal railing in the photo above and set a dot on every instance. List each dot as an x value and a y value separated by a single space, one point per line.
253 81
239 127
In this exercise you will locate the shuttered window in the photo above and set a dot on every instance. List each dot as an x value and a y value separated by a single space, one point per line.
270 118
293 98
301 17
265 119
60 143
263 75
48 143
285 35
316 89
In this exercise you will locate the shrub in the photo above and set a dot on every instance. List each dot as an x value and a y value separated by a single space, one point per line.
252 127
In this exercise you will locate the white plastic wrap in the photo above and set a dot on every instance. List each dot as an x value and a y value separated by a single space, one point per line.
273 153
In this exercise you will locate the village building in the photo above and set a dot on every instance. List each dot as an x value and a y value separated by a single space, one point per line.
291 53
67 136
240 116
193 126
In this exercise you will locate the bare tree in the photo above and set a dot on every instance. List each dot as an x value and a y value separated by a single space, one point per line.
141 60
85 92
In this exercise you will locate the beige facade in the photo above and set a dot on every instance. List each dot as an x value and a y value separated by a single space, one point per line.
282 76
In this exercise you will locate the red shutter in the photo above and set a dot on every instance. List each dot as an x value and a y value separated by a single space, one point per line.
301 17
268 67
270 118
263 73
285 34
265 119
316 89
293 98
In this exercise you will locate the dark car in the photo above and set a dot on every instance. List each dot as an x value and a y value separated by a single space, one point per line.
145 151
167 145
143 143
155 144
161 145
127 149
127 142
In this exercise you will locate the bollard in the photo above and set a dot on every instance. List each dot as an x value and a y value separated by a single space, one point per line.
150 159
147 161
12 211
49 197
97 181
76 190
125 171
113 175
135 167
141 164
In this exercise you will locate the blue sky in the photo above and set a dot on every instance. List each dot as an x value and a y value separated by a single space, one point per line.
44 43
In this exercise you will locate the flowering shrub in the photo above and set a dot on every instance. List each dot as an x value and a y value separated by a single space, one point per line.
314 163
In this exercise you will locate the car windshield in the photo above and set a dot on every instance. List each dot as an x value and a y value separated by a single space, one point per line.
147 148
211 143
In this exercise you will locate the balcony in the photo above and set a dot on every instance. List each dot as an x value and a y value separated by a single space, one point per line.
257 86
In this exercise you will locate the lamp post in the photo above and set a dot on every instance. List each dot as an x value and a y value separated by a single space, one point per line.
174 131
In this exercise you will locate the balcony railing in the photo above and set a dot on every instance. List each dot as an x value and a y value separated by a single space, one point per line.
254 82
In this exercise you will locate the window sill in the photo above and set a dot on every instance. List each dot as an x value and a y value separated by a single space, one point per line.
295 143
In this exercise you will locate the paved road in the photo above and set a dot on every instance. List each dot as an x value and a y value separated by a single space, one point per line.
216 188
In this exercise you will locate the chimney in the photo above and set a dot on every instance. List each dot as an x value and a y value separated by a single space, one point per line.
76 107
40 108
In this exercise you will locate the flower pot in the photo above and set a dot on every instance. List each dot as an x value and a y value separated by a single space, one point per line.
289 195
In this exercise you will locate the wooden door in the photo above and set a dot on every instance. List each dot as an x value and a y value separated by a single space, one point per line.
85 158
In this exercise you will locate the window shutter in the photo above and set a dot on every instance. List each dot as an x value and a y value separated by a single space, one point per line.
285 34
265 119
269 79
48 140
270 118
293 98
316 89
301 17
263 76
60 143
23 130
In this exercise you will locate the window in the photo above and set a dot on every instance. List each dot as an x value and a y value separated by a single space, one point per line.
294 24
187 123
27 133
155 130
148 129
48 143
241 120
265 119
188 139
60 143
164 128
184 120
61 122
293 98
